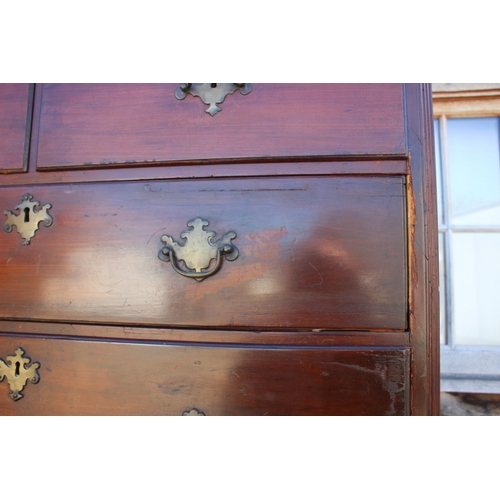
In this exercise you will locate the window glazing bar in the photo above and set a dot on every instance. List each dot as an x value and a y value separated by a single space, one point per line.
475 229
448 254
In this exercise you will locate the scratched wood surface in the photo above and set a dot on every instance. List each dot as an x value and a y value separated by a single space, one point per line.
97 378
423 264
95 125
14 126
314 253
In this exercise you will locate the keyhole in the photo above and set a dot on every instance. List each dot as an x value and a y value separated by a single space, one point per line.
213 85
17 369
26 214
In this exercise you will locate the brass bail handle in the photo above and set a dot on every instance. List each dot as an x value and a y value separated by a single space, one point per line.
199 251
169 254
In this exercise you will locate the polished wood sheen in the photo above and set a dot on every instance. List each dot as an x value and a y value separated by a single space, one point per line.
331 307
315 252
97 378
98 125
15 124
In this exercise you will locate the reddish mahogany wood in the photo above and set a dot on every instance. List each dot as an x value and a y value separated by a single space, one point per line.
358 202
337 167
423 262
102 124
15 123
97 378
314 253
315 337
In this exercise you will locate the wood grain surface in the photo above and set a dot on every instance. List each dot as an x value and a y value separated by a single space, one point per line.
314 253
15 123
423 264
99 378
207 171
332 305
305 337
101 124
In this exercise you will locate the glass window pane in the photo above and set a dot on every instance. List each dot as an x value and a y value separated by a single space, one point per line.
442 291
439 182
476 275
474 163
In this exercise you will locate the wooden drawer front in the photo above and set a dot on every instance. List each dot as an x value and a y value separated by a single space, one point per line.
15 104
98 378
314 253
102 124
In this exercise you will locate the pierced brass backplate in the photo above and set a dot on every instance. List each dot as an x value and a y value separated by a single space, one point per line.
193 413
27 219
18 374
198 251
211 93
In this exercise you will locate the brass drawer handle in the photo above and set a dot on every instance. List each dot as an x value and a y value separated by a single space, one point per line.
17 374
211 93
198 251
27 220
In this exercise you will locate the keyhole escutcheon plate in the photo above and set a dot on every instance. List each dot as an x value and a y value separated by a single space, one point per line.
193 413
27 218
18 372
211 93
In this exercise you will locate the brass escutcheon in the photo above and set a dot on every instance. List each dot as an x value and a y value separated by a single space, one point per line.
211 93
28 218
198 252
17 373
193 413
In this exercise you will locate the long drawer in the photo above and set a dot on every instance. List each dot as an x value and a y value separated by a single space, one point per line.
314 253
111 378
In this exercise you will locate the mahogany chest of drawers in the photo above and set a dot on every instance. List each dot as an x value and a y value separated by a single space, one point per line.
218 249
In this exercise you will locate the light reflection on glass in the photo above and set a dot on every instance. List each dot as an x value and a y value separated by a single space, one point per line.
442 291
476 274
474 163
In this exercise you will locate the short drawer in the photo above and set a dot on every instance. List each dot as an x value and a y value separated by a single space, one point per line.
92 126
100 378
314 253
16 101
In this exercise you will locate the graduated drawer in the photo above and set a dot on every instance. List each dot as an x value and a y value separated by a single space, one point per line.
99 378
314 253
